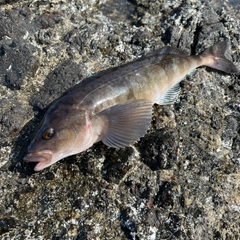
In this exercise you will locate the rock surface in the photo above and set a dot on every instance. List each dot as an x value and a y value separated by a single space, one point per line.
181 181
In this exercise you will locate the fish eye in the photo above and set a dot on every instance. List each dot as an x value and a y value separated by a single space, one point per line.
48 134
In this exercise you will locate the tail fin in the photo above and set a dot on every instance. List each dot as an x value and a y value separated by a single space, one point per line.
219 61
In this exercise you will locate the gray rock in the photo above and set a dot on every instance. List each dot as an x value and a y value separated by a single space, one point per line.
17 60
180 181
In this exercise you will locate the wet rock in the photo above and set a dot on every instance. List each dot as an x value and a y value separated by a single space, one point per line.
66 75
6 225
11 123
16 61
49 20
165 195
159 150
114 170
15 23
180 181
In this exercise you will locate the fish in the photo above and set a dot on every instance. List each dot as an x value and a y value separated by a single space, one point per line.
115 106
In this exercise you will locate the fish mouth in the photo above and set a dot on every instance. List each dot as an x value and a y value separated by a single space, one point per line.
42 157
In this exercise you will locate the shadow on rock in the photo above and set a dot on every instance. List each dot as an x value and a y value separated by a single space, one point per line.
19 150
159 149
66 74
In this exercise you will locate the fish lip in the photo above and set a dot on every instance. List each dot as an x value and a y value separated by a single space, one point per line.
38 156
43 158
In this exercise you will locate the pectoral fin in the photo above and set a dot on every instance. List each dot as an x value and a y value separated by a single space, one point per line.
125 123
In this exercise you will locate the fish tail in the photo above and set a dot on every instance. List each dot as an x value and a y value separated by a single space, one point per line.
215 58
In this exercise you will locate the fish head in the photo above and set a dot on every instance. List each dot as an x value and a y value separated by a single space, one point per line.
63 132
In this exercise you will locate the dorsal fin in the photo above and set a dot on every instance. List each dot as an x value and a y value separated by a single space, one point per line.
171 50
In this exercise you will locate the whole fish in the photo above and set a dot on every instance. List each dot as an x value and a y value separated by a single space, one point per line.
115 106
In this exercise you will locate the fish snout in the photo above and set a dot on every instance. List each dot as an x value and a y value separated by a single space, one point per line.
43 158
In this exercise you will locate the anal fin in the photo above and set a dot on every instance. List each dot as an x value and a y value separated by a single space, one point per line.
171 95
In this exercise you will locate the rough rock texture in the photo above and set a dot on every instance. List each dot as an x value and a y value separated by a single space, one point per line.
181 181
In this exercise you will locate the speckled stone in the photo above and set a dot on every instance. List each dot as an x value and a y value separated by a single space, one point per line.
180 181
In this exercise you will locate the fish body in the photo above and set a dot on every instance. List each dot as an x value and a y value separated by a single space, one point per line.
115 106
